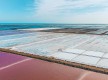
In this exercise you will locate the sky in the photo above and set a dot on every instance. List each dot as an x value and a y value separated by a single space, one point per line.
54 11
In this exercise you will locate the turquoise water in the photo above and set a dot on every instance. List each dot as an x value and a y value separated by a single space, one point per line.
22 26
10 29
25 26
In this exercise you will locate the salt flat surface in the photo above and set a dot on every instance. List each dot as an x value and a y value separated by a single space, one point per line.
25 40
43 47
100 44
105 55
103 63
80 48
76 51
50 46
15 36
93 53
86 60
64 56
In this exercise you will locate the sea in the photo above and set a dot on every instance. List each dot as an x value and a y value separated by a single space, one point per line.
15 26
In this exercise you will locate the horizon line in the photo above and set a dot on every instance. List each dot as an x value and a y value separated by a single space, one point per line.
51 23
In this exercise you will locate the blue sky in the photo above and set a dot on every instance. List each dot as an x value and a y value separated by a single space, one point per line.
54 11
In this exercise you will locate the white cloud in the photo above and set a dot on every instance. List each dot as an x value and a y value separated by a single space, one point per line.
51 10
95 17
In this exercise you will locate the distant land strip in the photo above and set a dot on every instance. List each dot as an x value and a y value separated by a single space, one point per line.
54 60
92 31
